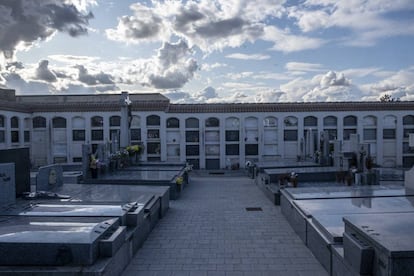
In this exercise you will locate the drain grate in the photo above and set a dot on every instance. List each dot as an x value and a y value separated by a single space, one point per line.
253 209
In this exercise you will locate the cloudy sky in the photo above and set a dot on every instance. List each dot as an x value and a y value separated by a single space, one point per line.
210 50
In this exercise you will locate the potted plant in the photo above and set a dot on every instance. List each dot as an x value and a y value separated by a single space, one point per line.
134 151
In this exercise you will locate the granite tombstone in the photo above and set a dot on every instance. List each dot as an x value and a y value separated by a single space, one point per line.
49 178
7 184
21 159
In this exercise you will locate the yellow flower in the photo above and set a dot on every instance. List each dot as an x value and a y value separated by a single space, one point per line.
179 180
133 149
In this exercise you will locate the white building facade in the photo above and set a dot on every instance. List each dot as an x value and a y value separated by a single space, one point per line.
209 136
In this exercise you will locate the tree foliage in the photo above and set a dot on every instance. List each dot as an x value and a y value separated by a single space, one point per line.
388 98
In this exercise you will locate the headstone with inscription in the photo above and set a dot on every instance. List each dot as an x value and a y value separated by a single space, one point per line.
49 178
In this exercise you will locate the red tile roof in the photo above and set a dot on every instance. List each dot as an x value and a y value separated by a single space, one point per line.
289 107
158 102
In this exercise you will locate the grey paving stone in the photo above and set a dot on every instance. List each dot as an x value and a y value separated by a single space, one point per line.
209 232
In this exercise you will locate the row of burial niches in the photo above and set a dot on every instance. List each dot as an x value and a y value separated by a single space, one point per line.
56 227
356 230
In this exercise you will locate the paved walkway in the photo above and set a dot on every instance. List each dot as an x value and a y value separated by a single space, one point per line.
209 232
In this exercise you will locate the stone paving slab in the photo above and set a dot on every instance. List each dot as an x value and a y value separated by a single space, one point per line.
208 231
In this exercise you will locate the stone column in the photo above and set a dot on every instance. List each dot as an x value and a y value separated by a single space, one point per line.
115 143
324 144
308 142
86 151
362 153
337 154
354 140
125 133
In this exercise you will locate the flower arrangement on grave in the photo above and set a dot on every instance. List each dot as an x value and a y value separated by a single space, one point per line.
179 180
124 153
188 168
124 158
133 150
115 156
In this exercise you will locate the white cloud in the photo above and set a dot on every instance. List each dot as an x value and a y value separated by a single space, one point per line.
210 67
328 86
82 5
206 94
13 66
303 66
399 85
260 10
172 68
366 20
2 82
184 30
331 94
248 57
73 60
209 27
310 20
260 95
13 80
272 96
238 85
333 79
363 72
24 23
89 79
297 88
287 42
389 29
224 24
178 96
43 72
331 86
238 76
144 26
230 24
46 78
271 76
